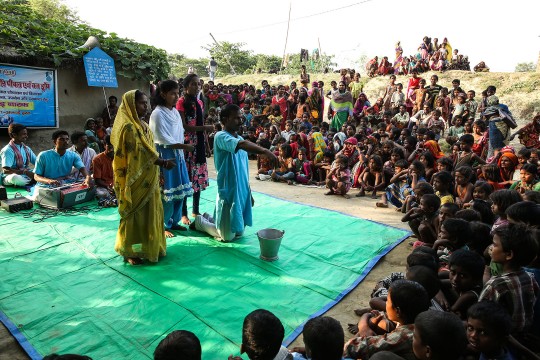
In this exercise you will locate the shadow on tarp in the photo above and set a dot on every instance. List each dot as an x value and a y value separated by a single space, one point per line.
64 289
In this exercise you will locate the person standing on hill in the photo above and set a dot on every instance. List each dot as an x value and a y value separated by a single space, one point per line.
212 68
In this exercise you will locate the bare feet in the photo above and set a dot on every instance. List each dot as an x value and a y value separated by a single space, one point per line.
353 328
346 196
361 312
169 234
134 260
374 195
380 204
289 182
329 193
361 193
185 220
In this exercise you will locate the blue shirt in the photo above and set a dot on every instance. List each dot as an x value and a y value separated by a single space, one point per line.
51 165
8 157
234 193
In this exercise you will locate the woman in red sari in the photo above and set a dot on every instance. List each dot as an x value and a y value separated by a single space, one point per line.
410 96
385 67
280 99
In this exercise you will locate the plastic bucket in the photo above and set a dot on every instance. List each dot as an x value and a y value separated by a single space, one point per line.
269 241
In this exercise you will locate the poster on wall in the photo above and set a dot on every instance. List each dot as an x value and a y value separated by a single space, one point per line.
28 96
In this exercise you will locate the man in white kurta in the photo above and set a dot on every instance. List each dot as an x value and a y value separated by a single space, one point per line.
234 202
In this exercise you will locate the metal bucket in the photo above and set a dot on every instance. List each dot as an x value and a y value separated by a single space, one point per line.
269 241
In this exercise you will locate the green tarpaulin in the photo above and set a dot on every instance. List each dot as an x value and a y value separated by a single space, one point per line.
64 289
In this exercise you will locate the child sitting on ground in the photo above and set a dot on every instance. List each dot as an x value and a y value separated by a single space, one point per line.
481 191
338 180
406 299
501 200
453 235
465 278
488 329
262 335
428 212
179 344
467 157
442 183
402 184
275 118
372 178
323 340
438 335
285 172
463 188
302 168
528 179
514 247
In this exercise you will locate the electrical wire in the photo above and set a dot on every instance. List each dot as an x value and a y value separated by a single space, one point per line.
295 19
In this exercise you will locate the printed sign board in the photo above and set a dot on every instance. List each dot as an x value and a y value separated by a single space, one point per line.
100 69
28 96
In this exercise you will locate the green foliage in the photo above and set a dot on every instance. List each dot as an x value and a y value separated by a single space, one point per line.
294 65
226 52
180 64
267 62
32 35
54 9
525 67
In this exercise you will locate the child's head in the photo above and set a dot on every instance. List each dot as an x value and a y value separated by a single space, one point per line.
513 244
523 155
528 173
406 299
447 211
445 164
468 215
482 190
422 188
481 237
425 277
430 203
533 196
180 344
341 160
323 338
466 142
438 335
483 208
417 167
262 335
396 154
502 199
302 153
423 256
375 163
427 159
491 172
488 327
401 165
456 231
524 212
466 270
463 175
276 111
285 151
442 181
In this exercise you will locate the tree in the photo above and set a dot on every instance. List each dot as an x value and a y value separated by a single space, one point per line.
54 9
525 67
226 52
267 62
180 64
293 64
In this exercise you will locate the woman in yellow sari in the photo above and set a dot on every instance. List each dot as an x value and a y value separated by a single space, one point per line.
141 234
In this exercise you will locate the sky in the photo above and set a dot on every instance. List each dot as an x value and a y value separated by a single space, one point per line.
501 33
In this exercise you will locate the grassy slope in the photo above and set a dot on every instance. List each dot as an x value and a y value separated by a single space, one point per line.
520 91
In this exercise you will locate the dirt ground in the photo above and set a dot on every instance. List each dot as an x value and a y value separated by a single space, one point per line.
360 207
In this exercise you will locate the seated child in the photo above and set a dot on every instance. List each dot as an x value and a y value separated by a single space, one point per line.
402 184
262 335
481 191
302 167
285 172
502 199
442 183
179 344
406 299
516 290
465 278
372 178
338 180
275 118
488 330
427 212
528 179
467 157
445 164
463 188
453 235
323 340
438 335
523 157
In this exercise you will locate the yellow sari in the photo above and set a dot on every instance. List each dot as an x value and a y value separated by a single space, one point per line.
136 182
